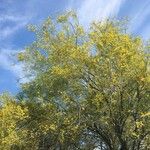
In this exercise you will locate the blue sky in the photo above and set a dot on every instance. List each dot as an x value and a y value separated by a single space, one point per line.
16 14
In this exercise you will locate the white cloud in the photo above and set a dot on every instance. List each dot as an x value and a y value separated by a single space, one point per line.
8 62
13 19
93 10
8 31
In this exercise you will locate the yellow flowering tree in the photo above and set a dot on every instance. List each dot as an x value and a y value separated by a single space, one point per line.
89 88
12 133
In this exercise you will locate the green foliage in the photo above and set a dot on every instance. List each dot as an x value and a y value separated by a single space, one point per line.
11 116
89 89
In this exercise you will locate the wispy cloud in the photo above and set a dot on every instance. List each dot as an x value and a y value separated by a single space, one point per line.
14 23
8 31
8 62
11 21
93 10
12 18
140 17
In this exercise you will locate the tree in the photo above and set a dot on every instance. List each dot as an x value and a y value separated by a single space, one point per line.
87 87
12 133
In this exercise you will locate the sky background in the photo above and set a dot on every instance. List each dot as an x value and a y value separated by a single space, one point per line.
15 15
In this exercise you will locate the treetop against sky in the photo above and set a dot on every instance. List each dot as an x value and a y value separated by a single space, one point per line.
16 15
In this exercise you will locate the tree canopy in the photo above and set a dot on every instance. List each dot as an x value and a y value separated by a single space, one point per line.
87 89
